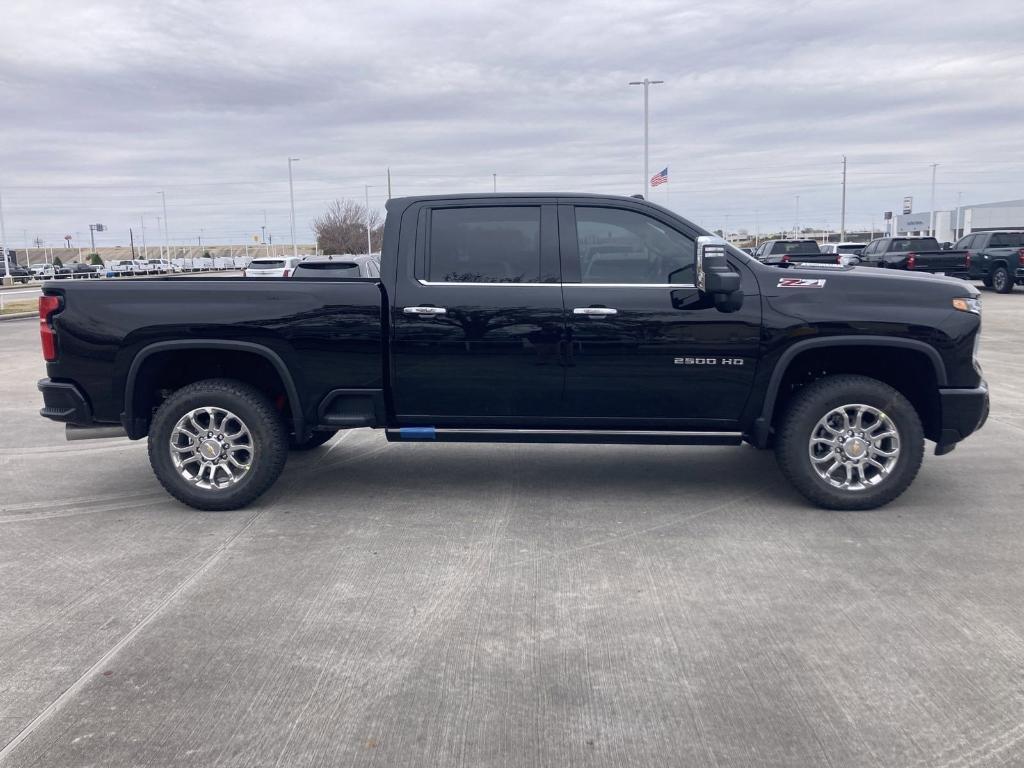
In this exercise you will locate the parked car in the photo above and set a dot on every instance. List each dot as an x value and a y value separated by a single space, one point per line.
271 267
42 271
123 267
338 266
18 273
918 254
76 269
156 267
481 329
842 249
792 251
996 258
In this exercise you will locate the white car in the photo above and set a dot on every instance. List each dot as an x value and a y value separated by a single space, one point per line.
123 267
279 267
42 271
843 249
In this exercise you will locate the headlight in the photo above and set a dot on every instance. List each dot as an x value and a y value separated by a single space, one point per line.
968 305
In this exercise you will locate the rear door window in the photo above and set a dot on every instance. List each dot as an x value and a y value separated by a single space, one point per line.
488 244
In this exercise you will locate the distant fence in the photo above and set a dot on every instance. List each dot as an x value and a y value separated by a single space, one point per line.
153 251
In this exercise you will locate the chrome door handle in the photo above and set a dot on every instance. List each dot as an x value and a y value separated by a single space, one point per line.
595 311
425 311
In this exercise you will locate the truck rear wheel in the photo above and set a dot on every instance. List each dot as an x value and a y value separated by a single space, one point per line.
850 442
217 444
1001 280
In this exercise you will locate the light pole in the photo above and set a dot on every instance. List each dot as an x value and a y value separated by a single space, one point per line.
646 84
797 233
369 244
3 244
842 219
167 237
291 195
142 224
93 228
931 222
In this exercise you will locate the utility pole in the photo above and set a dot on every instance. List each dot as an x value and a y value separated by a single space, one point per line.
842 218
931 231
797 227
291 195
167 237
131 239
3 244
163 255
142 225
647 173
389 183
369 244
956 224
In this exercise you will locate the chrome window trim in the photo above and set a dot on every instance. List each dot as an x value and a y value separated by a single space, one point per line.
564 285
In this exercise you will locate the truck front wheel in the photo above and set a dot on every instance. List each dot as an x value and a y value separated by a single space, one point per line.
1001 280
217 444
850 442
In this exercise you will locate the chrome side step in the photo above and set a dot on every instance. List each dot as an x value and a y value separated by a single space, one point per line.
616 436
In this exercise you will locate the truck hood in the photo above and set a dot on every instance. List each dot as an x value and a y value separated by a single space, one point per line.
890 283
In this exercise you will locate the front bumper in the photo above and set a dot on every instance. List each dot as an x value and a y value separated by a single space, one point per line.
64 401
964 411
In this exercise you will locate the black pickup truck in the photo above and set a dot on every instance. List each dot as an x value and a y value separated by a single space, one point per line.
996 258
917 254
526 318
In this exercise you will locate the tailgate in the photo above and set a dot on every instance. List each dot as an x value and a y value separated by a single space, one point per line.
941 261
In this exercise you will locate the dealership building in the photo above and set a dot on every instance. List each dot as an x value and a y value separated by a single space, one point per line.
952 225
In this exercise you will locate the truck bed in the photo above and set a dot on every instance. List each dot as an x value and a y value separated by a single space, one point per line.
328 333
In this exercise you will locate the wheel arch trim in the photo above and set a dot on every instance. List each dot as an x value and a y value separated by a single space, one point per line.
128 418
762 425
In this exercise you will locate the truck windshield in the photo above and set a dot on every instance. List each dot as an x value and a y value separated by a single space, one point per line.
902 244
797 247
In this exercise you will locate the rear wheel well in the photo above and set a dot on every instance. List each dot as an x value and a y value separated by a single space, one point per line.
165 372
908 371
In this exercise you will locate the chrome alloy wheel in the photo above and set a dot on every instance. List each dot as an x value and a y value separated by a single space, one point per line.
212 448
854 447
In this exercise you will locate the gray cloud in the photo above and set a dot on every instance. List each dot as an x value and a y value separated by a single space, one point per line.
103 104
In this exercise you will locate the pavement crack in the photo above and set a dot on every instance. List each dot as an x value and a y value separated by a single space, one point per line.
57 704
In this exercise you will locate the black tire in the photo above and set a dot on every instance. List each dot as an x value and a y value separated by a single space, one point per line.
315 440
1002 281
254 410
800 422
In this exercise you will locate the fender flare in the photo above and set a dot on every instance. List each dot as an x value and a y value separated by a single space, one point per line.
128 418
762 425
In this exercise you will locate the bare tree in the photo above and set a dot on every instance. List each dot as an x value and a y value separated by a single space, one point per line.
342 228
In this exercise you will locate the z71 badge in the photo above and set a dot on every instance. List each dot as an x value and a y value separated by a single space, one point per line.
800 282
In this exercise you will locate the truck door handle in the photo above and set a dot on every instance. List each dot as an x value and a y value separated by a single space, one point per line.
595 311
425 311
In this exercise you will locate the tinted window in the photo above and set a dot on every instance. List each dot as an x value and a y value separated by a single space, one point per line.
618 246
850 248
484 245
266 264
799 247
902 245
327 269
1006 240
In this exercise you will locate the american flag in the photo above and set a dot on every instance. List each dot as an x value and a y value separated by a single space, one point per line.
661 177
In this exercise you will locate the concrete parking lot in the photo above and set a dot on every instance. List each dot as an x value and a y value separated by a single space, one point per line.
507 605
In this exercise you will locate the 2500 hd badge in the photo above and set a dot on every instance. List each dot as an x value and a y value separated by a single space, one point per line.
709 361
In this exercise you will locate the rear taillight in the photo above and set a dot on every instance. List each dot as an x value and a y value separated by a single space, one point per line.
47 306
1020 253
286 273
911 260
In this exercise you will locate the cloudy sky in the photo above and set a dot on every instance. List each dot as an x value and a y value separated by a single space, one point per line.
104 104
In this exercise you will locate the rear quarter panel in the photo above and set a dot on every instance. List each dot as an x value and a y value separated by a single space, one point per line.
328 333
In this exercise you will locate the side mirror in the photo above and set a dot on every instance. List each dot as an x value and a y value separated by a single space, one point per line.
715 277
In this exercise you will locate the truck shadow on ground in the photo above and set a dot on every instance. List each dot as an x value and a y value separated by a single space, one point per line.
586 472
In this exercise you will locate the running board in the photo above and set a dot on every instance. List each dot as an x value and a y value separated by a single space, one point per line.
620 436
